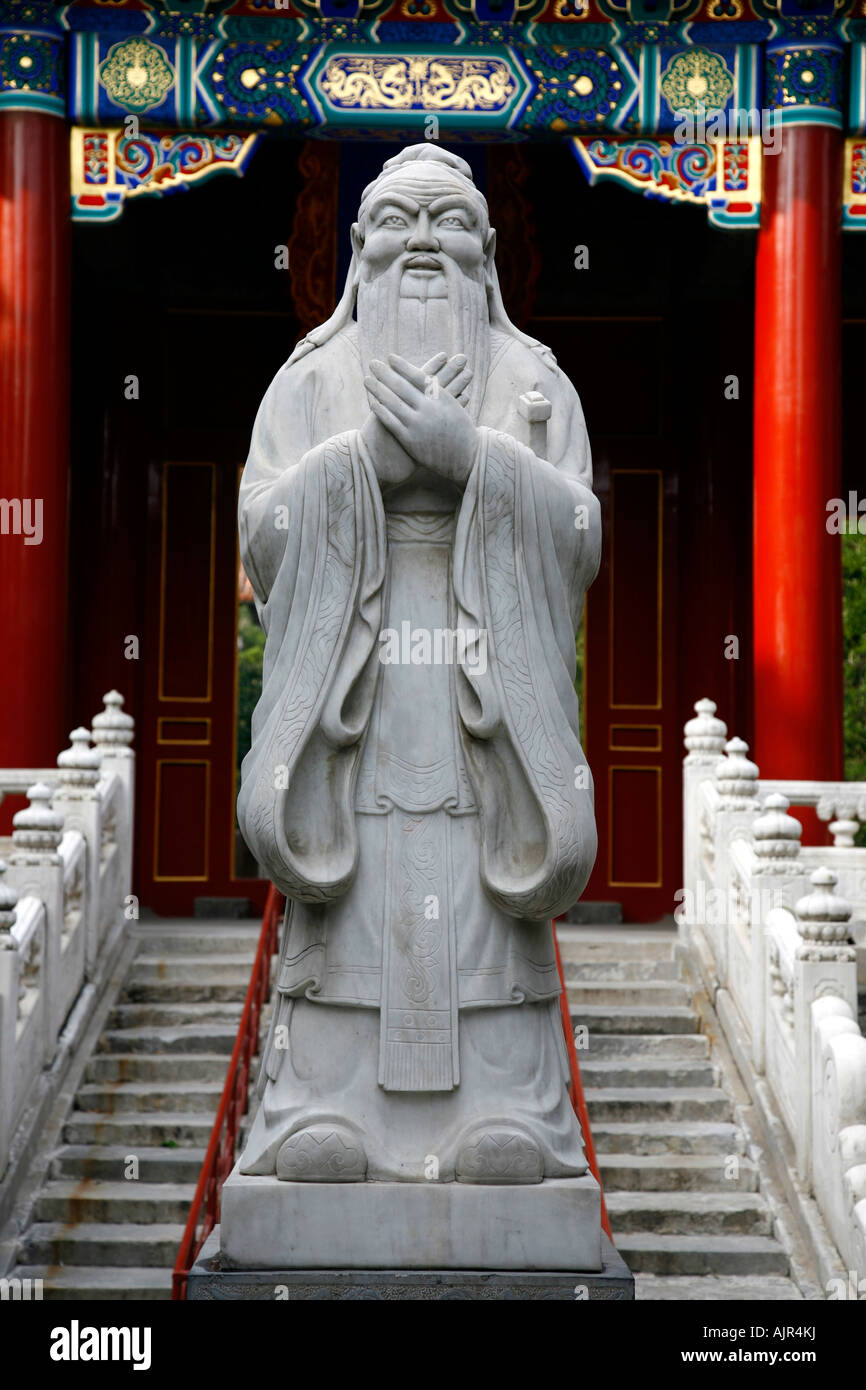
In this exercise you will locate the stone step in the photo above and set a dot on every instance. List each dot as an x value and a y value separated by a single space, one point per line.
219 941
642 1071
676 1046
91 1243
134 1097
174 1015
138 1066
196 1038
688 1213
151 1130
192 970
676 1172
717 1288
667 1018
145 1203
83 1283
662 1137
632 994
704 1254
611 971
585 944
109 1162
175 992
630 1104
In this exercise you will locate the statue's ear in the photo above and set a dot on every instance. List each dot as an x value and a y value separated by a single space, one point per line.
489 250
357 240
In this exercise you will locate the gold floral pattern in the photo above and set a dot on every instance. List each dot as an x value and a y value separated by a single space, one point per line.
136 74
697 80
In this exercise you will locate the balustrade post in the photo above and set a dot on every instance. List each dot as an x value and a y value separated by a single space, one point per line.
36 870
78 798
776 841
736 780
825 964
113 731
704 739
8 1014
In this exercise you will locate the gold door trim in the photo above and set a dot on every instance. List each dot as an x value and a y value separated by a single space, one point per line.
183 719
162 696
630 472
629 883
181 878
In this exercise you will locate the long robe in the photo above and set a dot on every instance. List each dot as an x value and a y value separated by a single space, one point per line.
425 821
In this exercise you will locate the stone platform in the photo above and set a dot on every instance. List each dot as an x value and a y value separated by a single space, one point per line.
270 1224
209 1282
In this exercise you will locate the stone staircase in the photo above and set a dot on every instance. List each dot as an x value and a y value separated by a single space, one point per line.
683 1191
147 1102
682 1185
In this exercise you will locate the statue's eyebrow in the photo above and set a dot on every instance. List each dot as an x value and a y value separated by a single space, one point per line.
393 200
452 200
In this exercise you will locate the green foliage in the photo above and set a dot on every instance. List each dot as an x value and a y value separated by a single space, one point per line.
579 680
251 649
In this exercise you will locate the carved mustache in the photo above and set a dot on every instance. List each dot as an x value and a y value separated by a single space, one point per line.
422 260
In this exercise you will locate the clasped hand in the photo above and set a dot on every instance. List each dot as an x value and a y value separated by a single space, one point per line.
421 410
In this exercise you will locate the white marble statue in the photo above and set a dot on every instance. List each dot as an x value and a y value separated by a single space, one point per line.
419 546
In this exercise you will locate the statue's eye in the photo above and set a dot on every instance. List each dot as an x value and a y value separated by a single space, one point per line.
452 220
393 220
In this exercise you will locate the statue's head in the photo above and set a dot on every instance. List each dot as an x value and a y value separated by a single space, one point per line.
421 245
424 217
422 277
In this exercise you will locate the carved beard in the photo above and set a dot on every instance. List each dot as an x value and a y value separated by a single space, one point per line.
417 328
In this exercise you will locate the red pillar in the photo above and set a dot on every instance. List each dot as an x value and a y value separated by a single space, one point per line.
797 460
34 446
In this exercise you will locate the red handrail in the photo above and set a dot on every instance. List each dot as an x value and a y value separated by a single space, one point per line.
576 1088
220 1156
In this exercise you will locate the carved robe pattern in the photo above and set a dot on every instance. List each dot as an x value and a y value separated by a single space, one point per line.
422 870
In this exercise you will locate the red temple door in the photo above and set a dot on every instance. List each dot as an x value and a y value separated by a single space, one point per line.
186 834
630 644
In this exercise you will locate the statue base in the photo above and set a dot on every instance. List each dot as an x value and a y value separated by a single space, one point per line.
268 1224
210 1282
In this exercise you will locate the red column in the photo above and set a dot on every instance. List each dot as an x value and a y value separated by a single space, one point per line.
34 445
797 460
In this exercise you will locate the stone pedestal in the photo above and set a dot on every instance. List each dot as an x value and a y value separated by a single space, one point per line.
209 1281
268 1224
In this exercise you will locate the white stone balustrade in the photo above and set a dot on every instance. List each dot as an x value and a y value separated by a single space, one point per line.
775 920
63 886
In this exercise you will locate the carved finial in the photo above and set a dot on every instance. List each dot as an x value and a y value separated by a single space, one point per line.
736 776
39 827
80 764
776 835
822 915
8 899
113 728
705 735
844 814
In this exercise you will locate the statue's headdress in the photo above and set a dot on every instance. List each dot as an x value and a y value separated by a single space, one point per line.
448 169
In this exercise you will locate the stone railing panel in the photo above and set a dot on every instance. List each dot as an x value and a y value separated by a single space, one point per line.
31 1021
838 1153
781 921
62 896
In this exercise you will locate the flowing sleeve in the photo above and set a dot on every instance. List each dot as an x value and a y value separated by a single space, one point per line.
527 548
312 537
